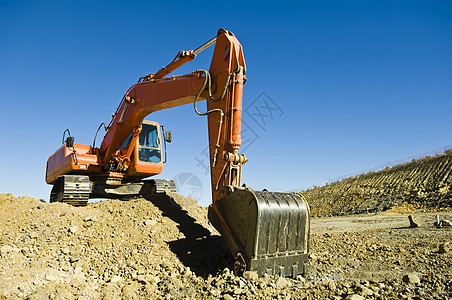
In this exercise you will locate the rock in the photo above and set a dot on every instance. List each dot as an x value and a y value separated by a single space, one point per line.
73 229
134 275
242 283
141 278
209 279
313 256
411 278
413 222
40 294
281 283
128 292
219 282
226 271
88 218
66 250
148 279
141 271
5 249
331 285
355 297
365 291
301 279
74 257
443 248
116 279
187 272
164 264
150 223
93 242
250 275
299 285
52 277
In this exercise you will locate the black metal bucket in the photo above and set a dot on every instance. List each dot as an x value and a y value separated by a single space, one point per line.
266 232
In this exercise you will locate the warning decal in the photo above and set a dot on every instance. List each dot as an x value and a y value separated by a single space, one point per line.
227 53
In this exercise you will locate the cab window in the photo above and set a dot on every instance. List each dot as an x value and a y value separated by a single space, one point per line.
126 143
149 144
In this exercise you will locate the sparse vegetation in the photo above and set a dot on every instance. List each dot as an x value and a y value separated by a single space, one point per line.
424 183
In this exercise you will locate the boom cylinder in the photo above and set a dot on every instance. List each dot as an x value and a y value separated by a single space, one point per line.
205 46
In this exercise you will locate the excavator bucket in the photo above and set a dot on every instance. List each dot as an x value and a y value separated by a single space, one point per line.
266 232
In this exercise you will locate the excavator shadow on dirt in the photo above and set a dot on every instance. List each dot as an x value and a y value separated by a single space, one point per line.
205 254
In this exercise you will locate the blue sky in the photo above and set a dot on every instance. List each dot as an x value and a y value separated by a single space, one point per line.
354 84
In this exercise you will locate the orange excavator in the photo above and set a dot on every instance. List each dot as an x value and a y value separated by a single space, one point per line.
266 232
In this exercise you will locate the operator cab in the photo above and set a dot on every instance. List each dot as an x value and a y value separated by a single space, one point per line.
147 158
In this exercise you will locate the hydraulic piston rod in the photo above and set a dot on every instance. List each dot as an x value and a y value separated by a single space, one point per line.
181 58
205 46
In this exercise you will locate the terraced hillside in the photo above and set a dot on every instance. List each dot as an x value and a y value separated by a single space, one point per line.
425 183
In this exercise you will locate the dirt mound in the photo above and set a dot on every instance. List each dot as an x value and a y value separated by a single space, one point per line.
88 250
164 247
423 184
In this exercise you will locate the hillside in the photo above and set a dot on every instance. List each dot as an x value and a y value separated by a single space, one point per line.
423 184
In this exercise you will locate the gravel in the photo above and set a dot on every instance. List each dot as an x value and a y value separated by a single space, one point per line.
163 247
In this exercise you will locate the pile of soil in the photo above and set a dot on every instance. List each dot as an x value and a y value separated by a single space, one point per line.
423 184
163 247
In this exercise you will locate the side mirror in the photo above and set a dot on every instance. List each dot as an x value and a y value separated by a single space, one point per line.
168 136
70 141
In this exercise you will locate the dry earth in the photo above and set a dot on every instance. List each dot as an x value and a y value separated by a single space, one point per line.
163 247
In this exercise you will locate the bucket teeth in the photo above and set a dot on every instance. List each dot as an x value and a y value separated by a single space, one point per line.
268 231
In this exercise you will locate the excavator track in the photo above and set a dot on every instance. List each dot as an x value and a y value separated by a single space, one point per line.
76 190
162 185
71 189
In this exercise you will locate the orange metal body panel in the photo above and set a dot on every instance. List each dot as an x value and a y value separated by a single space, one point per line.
65 161
142 170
